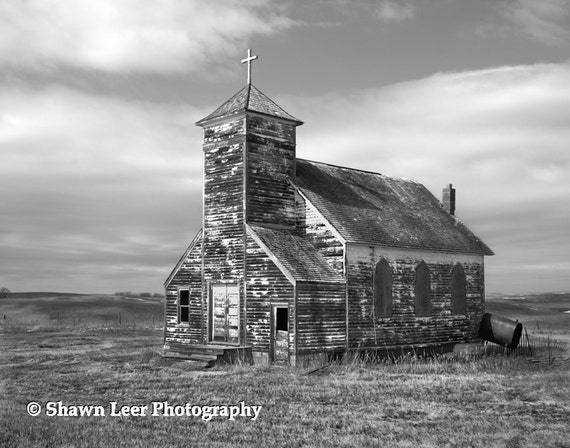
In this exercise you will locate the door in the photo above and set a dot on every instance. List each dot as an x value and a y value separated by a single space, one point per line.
280 336
225 313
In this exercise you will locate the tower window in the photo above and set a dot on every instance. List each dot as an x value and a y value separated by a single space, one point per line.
423 290
383 289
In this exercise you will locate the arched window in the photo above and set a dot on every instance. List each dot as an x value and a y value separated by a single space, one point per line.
383 289
458 290
423 290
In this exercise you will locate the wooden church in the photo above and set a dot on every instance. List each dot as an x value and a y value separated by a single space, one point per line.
298 258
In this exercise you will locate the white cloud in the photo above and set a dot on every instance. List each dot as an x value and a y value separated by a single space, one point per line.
42 128
543 21
91 181
161 36
508 112
390 11
88 182
499 135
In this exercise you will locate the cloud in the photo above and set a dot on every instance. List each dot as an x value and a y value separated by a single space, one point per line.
389 11
161 36
499 135
90 183
458 116
545 22
103 194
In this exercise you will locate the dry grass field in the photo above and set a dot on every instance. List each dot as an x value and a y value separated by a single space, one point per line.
74 349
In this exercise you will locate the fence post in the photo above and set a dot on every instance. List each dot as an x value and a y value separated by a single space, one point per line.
549 357
528 342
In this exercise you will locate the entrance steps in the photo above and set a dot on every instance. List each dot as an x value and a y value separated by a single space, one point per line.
210 354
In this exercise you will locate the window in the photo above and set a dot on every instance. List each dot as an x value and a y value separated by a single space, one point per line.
458 290
383 289
183 305
423 290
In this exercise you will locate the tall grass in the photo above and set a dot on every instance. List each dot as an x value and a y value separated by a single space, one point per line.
492 400
533 349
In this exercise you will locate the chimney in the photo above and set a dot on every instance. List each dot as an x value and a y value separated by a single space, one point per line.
448 199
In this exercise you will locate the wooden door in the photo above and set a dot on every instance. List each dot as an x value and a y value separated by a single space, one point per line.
280 337
225 313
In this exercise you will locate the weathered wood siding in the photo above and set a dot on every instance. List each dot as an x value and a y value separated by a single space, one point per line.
320 233
271 163
404 327
265 285
189 275
321 317
223 250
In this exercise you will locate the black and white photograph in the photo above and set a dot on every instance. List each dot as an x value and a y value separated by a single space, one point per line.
284 223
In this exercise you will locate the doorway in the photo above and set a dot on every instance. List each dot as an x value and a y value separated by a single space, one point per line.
280 333
225 313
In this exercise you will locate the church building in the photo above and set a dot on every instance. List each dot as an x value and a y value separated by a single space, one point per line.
298 258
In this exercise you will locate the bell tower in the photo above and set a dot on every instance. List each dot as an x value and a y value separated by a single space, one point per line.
249 160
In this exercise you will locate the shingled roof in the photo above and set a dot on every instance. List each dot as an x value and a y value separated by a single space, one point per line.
296 256
250 98
371 208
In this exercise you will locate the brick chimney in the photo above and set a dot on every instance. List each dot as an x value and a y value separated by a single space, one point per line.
448 199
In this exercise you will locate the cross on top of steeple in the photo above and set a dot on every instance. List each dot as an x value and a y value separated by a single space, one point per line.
248 61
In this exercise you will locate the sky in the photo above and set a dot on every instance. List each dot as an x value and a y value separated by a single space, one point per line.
100 159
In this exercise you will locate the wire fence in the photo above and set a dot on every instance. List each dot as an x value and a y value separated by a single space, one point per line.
77 320
536 348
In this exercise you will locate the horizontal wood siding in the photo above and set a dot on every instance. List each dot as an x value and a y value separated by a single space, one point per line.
223 226
271 163
404 327
321 317
189 275
265 284
319 233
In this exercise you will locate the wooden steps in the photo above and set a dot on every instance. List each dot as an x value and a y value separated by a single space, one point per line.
209 354
198 357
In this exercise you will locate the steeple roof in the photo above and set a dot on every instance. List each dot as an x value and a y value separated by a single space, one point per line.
250 98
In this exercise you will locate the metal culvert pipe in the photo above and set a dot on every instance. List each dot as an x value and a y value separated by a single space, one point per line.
500 330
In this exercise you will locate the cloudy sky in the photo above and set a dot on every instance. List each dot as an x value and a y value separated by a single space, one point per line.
100 160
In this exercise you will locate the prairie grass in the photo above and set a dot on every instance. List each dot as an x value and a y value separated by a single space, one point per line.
54 312
495 400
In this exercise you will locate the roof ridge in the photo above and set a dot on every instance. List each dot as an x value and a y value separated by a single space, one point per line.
266 97
248 95
359 169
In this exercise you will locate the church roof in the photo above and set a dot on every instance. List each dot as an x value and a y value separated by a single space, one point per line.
250 98
197 239
371 208
295 256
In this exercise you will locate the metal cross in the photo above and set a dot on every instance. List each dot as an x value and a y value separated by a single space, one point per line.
248 62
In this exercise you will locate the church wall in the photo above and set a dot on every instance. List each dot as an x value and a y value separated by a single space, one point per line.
189 275
223 223
271 162
319 232
403 327
321 317
265 285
